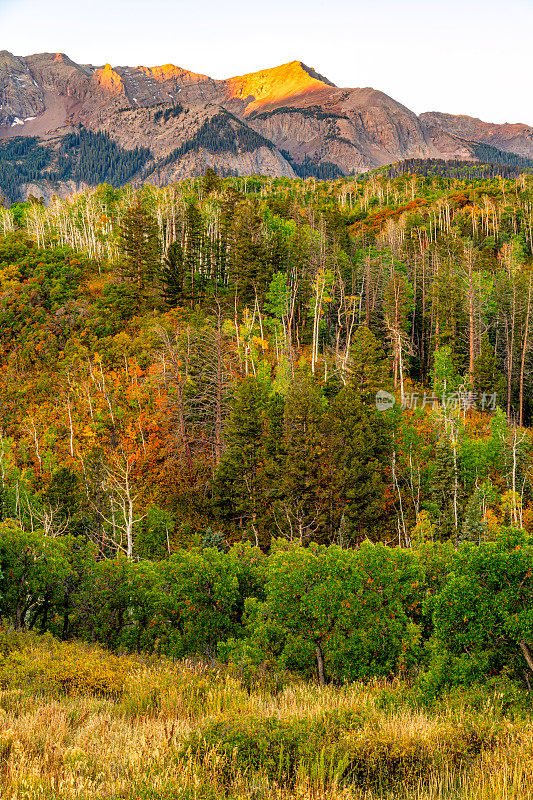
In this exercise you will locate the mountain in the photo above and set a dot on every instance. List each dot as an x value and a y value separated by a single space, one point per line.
513 138
164 123
272 87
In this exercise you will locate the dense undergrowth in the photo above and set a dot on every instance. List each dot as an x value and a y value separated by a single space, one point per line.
437 615
131 727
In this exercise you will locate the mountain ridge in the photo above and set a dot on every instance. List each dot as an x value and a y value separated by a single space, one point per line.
276 120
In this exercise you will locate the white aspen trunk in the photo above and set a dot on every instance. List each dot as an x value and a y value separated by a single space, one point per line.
513 478
471 340
455 483
401 517
524 353
400 362
71 441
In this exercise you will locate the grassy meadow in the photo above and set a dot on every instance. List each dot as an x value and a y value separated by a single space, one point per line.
79 722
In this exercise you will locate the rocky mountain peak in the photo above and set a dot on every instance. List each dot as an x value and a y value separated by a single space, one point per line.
511 137
170 72
314 74
276 85
109 80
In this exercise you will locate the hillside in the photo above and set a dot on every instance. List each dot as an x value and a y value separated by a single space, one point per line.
266 482
285 121
283 289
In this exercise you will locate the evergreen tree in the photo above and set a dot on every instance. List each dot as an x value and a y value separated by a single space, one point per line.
367 364
360 448
63 493
194 251
213 539
343 538
237 490
272 463
474 527
445 487
211 181
487 378
302 510
250 271
139 249
173 276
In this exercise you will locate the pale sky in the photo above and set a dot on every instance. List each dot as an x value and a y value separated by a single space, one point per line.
458 56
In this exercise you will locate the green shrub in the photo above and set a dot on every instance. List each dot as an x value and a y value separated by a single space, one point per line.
254 746
49 667
341 749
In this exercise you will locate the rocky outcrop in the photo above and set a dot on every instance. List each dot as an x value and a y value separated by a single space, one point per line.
46 190
109 81
21 97
275 86
512 138
355 129
262 161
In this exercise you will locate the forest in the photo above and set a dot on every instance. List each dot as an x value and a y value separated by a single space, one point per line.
221 133
22 159
461 170
275 422
83 157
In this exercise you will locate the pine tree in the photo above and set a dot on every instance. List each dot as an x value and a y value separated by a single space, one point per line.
173 276
250 271
359 443
273 436
474 527
444 487
194 246
368 368
237 488
272 463
487 378
343 538
302 510
139 249
62 493
211 181
214 539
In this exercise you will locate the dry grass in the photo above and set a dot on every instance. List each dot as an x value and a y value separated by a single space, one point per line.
66 738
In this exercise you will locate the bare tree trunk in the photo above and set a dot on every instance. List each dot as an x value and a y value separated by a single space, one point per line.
317 313
219 389
471 333
510 351
320 665
401 518
527 654
367 298
524 353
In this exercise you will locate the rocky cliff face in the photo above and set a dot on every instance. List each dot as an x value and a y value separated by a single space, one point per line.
513 138
272 121
356 129
21 98
260 161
